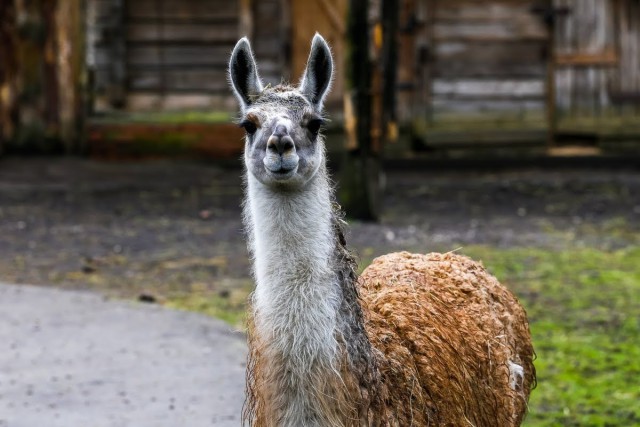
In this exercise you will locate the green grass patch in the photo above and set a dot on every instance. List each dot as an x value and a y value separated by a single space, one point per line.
230 307
164 117
584 312
213 305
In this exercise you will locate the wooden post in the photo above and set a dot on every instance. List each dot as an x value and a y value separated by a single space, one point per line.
429 64
552 120
8 72
50 68
390 16
359 179
71 69
118 46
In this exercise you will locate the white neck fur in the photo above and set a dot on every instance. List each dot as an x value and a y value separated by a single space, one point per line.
297 296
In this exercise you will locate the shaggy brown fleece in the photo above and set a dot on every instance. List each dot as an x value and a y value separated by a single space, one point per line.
445 334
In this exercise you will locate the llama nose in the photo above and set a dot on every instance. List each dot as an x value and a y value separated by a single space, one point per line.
280 131
280 142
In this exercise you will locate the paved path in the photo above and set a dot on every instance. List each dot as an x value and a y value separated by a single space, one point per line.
71 359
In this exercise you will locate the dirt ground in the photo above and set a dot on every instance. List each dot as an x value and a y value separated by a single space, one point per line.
161 228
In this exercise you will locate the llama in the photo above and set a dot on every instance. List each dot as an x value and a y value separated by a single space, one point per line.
415 340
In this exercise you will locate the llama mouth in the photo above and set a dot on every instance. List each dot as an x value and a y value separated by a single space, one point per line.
281 168
282 173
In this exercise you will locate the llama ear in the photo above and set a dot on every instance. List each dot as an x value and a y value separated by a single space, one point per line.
243 73
317 76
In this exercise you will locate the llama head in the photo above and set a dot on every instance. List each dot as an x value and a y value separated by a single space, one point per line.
283 147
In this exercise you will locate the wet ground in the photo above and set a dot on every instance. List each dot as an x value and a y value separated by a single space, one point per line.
160 228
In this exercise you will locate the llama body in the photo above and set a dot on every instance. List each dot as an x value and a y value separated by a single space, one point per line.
418 340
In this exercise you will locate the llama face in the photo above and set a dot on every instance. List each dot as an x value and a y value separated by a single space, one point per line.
283 147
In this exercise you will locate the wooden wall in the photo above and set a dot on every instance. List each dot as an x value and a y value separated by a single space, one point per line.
487 57
628 70
271 43
162 54
456 57
598 62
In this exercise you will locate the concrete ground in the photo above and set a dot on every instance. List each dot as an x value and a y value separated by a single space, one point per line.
75 359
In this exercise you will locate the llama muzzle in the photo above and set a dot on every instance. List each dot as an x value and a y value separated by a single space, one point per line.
281 158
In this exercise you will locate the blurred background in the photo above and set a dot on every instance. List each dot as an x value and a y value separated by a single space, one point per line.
508 130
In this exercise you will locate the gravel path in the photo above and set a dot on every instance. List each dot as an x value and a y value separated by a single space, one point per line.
73 359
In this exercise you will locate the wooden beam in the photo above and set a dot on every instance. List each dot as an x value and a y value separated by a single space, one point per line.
607 58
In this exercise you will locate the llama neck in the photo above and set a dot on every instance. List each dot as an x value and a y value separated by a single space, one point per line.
303 319
292 243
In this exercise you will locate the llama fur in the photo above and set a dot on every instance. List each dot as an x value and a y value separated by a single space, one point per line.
415 340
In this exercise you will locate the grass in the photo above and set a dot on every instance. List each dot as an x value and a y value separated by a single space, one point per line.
169 117
584 311
230 307
227 301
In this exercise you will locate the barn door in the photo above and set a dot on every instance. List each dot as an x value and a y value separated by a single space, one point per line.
487 65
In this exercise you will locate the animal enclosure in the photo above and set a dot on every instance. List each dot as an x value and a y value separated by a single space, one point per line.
467 73
521 71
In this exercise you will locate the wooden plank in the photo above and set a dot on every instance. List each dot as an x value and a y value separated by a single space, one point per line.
185 20
503 53
459 59
486 106
490 31
268 9
477 21
484 138
265 47
487 69
176 56
487 88
182 32
184 80
179 101
270 41
182 9
607 58
494 10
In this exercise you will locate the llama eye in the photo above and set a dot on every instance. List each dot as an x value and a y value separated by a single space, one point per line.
249 127
314 126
